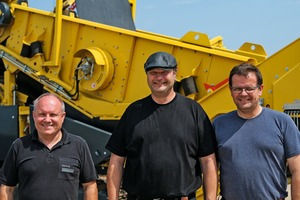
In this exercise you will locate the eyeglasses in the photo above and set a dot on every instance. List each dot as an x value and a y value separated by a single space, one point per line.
239 90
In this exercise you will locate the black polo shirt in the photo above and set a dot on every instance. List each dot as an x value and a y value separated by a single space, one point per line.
48 174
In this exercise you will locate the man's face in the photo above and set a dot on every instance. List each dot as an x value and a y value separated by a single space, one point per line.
245 92
160 80
48 116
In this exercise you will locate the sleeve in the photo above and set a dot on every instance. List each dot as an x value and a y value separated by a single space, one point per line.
8 172
88 170
291 137
117 142
207 139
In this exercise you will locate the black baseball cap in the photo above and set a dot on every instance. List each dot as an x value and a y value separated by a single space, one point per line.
161 60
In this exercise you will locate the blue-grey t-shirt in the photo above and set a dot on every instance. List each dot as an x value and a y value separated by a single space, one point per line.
253 153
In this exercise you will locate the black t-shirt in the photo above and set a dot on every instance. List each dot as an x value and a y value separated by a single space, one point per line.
48 174
163 144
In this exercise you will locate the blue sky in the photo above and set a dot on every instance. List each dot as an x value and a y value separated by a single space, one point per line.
271 23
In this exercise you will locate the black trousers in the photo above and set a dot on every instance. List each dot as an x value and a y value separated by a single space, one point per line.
191 196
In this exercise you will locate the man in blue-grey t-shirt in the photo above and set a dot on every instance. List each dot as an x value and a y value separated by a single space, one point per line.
255 143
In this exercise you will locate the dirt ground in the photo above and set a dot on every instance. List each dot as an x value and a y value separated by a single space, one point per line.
289 191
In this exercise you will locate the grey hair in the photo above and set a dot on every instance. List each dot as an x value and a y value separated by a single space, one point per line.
35 103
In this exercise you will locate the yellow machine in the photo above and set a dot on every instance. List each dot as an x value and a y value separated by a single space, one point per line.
96 66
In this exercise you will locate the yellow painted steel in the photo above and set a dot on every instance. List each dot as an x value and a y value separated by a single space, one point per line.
62 36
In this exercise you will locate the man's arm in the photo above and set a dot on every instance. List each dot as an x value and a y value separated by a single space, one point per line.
210 176
114 176
6 192
294 166
90 190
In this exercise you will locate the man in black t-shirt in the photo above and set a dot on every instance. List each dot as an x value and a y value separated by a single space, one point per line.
50 163
164 139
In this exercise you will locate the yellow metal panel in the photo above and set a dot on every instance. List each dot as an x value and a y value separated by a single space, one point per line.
61 36
23 121
283 91
281 76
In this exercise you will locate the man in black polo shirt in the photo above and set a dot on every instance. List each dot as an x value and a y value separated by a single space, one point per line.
50 163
